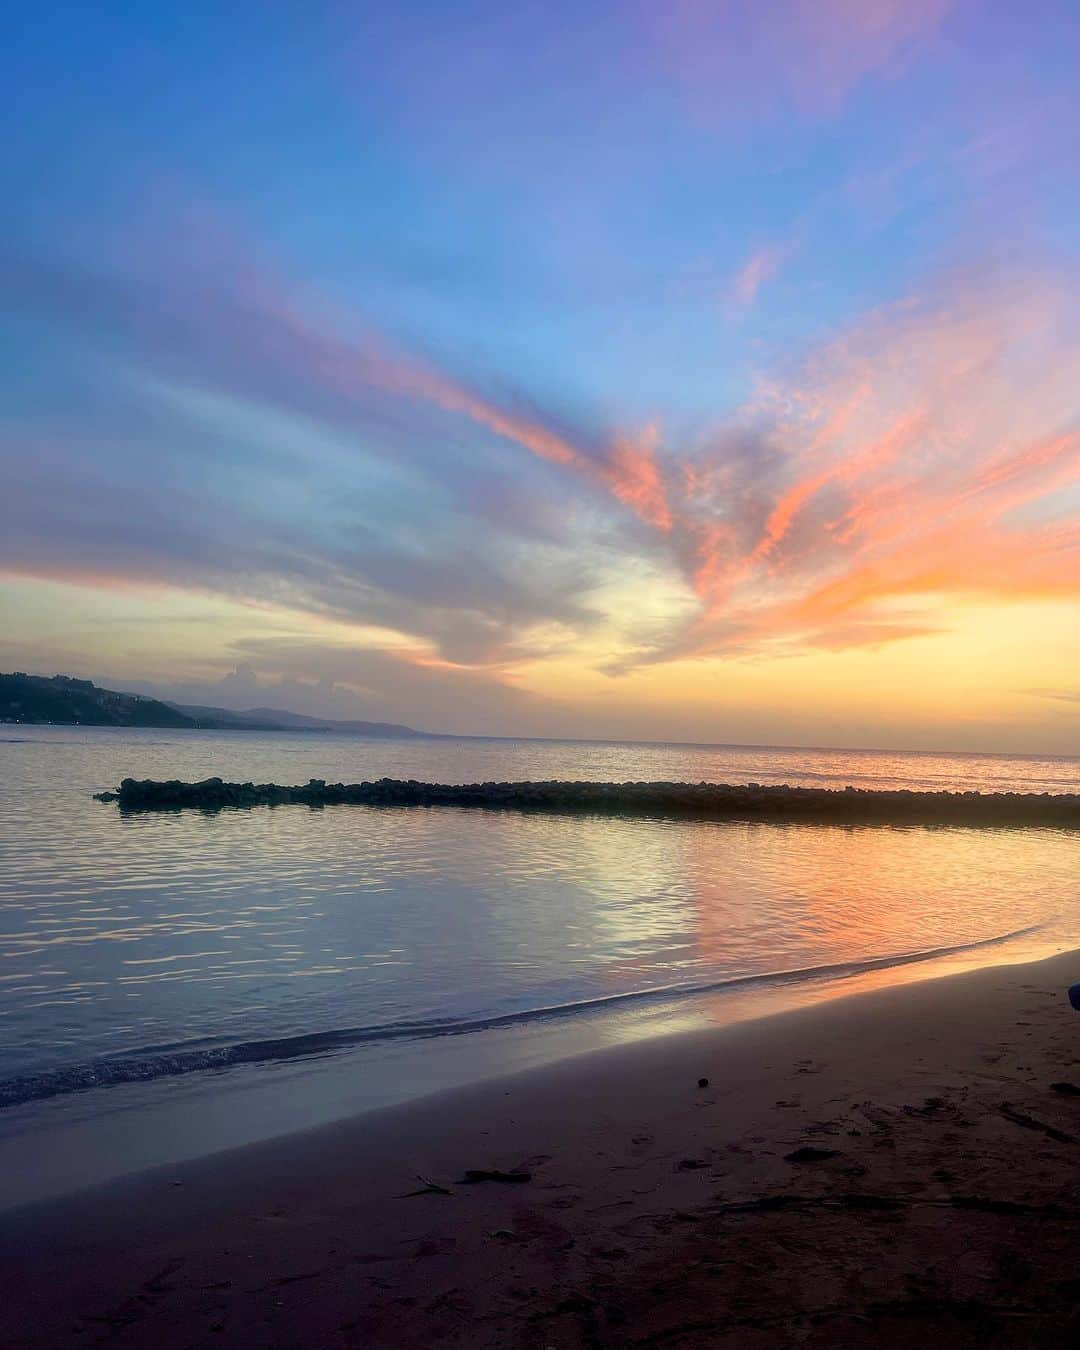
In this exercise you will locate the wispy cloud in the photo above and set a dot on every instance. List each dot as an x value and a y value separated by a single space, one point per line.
761 267
813 53
244 346
913 456
917 455
1058 695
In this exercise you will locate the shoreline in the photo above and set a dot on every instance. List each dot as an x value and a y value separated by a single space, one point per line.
934 1099
179 1060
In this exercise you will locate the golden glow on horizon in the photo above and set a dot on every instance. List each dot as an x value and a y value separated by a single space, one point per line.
584 417
151 631
998 677
880 547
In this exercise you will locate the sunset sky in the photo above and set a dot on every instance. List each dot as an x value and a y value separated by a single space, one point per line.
696 369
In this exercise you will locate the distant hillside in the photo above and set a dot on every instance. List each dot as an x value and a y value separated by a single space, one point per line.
277 719
222 719
36 698
64 701
298 722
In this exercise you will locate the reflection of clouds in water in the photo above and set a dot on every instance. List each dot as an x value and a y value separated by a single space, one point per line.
737 898
135 931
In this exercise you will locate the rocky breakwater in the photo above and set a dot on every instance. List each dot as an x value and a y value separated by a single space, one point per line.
705 801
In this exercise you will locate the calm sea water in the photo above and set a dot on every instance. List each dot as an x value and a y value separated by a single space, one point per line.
135 947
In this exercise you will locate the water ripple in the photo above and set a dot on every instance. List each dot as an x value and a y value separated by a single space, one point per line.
118 932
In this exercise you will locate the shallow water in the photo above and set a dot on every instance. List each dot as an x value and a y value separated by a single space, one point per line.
138 946
176 983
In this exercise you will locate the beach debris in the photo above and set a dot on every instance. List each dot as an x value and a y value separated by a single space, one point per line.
703 1082
810 1154
1030 1123
1066 1089
427 1187
503 1234
476 1174
690 1164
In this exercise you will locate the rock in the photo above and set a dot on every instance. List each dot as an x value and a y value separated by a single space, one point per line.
705 801
810 1154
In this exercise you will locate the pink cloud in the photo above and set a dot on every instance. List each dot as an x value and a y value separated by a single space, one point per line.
634 476
735 53
902 461
918 454
760 268
321 340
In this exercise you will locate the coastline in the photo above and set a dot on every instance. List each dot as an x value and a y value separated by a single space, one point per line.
178 1061
657 1212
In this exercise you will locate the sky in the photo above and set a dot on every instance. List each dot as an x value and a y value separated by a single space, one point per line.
703 370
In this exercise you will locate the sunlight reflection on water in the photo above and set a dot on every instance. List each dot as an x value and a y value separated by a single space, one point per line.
127 932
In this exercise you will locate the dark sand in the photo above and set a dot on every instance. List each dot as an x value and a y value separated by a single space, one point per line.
658 1213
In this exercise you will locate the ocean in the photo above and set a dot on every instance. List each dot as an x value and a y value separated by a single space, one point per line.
191 980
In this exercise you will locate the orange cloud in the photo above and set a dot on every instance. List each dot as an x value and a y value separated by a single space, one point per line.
626 467
1049 452
861 461
634 477
891 468
914 456
409 379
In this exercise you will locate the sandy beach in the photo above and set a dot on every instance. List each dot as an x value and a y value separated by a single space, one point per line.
891 1168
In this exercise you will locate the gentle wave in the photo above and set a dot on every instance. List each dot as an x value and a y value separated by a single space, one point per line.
926 782
170 1061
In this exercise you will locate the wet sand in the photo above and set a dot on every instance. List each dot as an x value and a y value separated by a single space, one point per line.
889 1169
